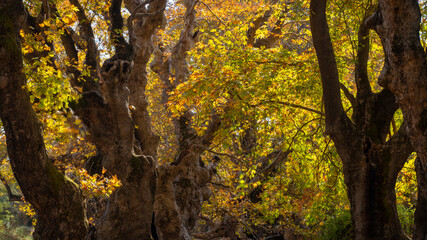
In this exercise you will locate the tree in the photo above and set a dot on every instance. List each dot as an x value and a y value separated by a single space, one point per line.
57 200
398 25
371 161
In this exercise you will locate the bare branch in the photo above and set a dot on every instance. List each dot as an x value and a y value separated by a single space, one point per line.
78 40
348 94
290 105
210 10
123 49
239 161
12 197
298 131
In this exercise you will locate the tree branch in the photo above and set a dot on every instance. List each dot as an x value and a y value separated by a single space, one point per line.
12 197
92 53
348 95
400 149
56 199
273 36
259 22
292 105
362 80
141 32
327 64
123 49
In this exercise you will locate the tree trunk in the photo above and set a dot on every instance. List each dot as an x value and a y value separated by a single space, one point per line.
121 137
57 200
371 164
370 175
180 185
129 210
397 23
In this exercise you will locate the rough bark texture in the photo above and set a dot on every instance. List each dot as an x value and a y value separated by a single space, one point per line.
121 137
128 213
144 30
370 163
181 185
57 200
397 23
173 193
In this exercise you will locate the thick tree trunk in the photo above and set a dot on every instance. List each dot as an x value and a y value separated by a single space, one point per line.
397 23
373 204
168 221
179 196
120 135
371 164
180 186
129 210
57 200
370 174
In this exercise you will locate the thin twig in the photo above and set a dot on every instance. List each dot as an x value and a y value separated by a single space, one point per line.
210 10
219 19
250 230
298 131
292 105
223 154
219 184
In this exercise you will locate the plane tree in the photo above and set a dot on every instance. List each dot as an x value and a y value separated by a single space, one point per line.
371 159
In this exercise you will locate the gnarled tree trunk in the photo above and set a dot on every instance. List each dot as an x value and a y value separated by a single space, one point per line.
397 23
370 162
172 192
121 137
57 200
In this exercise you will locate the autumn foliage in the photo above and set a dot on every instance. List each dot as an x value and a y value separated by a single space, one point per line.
251 69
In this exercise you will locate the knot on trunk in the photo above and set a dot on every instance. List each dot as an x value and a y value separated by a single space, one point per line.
116 72
114 81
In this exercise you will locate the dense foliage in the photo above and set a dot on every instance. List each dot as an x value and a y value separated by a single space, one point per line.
279 173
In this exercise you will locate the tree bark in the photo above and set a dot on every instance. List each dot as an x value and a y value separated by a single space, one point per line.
129 210
370 163
58 201
404 72
118 134
180 185
121 137
370 176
